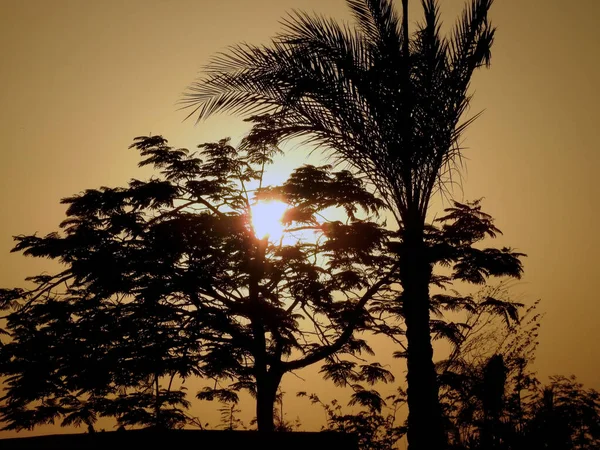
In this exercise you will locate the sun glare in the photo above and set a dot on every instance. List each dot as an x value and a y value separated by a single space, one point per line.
266 219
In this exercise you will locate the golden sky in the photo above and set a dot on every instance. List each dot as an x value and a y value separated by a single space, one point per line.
79 79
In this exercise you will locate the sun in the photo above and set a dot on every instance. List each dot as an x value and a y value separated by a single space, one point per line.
266 219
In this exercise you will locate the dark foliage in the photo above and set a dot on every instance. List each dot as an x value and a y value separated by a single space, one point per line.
374 424
493 400
165 279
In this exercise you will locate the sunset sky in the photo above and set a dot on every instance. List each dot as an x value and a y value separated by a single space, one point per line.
80 79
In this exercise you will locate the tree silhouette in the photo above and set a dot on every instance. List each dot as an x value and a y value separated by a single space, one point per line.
483 379
388 102
564 416
493 400
374 426
165 279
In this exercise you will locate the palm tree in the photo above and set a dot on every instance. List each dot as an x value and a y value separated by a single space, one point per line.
385 101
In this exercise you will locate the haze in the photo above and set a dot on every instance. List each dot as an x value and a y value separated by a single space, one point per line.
80 79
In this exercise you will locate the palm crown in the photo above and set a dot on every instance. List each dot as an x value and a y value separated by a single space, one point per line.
387 103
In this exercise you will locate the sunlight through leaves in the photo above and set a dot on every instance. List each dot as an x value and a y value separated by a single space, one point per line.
266 219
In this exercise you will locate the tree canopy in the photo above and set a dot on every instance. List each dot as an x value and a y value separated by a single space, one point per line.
165 279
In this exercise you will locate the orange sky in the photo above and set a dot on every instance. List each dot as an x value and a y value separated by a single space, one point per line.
80 79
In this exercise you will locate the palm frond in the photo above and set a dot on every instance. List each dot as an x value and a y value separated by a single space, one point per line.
377 20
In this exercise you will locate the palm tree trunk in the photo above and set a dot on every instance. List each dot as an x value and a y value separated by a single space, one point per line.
425 426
